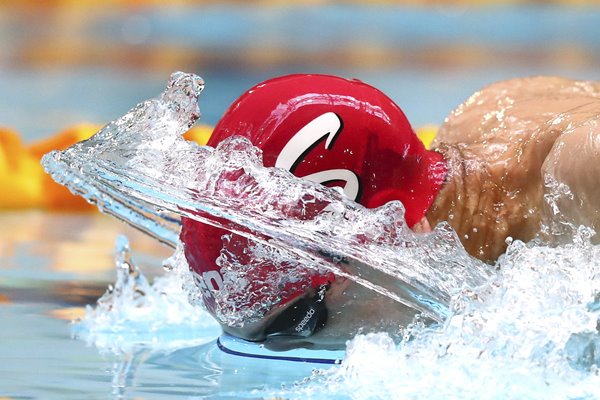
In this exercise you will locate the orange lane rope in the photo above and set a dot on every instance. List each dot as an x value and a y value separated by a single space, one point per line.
24 184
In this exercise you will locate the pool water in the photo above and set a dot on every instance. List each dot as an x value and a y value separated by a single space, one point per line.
41 360
49 275
514 338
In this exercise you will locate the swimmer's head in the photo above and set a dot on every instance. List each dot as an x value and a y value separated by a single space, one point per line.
333 131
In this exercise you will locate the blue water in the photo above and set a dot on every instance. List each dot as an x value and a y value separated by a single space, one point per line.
516 340
43 355
40 360
53 265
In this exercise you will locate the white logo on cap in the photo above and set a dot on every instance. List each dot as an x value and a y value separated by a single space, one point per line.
330 125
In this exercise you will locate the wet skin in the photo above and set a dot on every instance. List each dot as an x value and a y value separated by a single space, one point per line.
508 148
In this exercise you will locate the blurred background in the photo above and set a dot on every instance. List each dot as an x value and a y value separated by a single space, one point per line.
63 62
67 67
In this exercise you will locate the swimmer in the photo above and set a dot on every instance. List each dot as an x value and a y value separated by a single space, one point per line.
493 162
511 149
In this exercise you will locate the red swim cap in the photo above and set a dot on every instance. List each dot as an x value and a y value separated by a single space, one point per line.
330 130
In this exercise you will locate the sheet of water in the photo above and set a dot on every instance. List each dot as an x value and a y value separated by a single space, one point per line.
526 331
530 332
140 169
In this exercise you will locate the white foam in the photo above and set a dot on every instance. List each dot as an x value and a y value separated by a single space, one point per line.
512 338
134 313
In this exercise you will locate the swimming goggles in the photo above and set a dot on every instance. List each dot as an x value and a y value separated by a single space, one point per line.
304 317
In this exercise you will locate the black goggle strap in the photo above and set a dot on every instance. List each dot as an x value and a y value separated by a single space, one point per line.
303 318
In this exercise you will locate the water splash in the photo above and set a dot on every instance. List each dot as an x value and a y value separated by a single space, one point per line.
557 228
141 170
532 332
135 314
